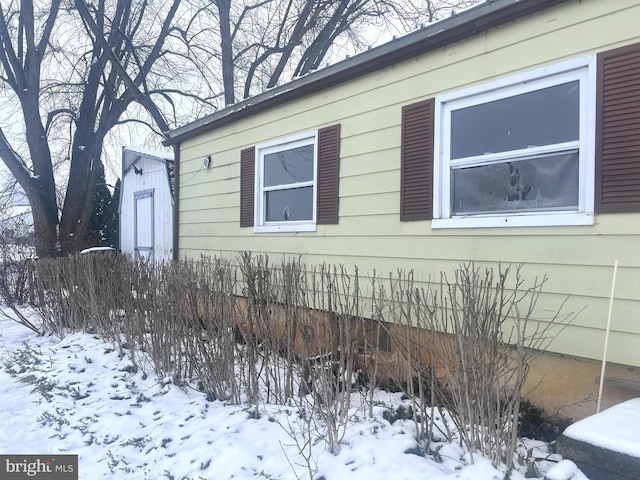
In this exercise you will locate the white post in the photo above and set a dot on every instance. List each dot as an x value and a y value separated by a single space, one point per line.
606 336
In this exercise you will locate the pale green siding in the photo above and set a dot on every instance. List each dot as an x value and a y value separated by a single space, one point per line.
577 260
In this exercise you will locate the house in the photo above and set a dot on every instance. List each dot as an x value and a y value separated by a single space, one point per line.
507 133
146 204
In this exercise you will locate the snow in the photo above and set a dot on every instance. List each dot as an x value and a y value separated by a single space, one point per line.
565 470
150 153
78 396
622 424
98 249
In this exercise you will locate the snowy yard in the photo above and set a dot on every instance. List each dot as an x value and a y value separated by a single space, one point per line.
76 396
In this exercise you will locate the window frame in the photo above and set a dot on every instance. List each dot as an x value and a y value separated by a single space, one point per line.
582 69
274 146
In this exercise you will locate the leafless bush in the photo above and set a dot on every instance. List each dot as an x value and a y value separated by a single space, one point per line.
334 323
410 308
290 334
56 290
80 292
466 346
486 359
304 431
299 331
211 341
255 323
16 250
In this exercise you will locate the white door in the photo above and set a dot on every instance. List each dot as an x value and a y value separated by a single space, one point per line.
143 228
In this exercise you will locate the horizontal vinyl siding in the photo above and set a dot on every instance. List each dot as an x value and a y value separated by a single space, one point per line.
577 260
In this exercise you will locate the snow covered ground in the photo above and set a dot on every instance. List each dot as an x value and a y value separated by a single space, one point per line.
76 396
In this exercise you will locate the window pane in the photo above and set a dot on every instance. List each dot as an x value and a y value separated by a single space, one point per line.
543 117
545 183
289 205
289 166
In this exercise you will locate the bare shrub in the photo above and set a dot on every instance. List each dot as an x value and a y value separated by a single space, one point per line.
305 433
486 359
57 294
466 346
170 306
16 252
299 331
330 332
254 319
293 335
410 308
80 292
211 341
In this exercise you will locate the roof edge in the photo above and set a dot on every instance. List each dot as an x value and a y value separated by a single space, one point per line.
491 13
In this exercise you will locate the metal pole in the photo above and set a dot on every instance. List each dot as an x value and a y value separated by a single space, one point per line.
606 336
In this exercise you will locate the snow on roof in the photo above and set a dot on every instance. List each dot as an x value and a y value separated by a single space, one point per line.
149 153
130 155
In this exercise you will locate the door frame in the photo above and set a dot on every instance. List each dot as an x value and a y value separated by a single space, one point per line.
137 249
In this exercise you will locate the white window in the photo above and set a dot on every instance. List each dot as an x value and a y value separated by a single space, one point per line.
517 152
286 172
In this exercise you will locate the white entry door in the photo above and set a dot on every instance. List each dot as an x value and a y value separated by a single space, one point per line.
143 228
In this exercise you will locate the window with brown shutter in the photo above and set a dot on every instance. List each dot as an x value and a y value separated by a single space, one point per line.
416 184
618 131
289 171
517 151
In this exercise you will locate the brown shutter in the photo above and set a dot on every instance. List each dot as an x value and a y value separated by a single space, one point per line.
328 175
618 131
416 168
247 186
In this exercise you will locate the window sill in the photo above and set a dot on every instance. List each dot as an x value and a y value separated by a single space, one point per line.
523 220
293 227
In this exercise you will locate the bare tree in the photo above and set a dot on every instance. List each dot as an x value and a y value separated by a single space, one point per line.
74 70
78 70
265 41
437 9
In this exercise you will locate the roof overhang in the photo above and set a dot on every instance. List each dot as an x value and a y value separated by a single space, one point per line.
482 17
131 156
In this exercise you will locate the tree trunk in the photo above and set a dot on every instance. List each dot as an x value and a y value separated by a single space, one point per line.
224 7
45 231
75 222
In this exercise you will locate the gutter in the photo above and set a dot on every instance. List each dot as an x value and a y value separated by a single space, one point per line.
487 15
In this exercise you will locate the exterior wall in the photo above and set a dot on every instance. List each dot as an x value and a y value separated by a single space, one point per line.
578 260
154 177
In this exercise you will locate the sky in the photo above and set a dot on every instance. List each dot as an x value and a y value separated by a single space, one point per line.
135 135
77 396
